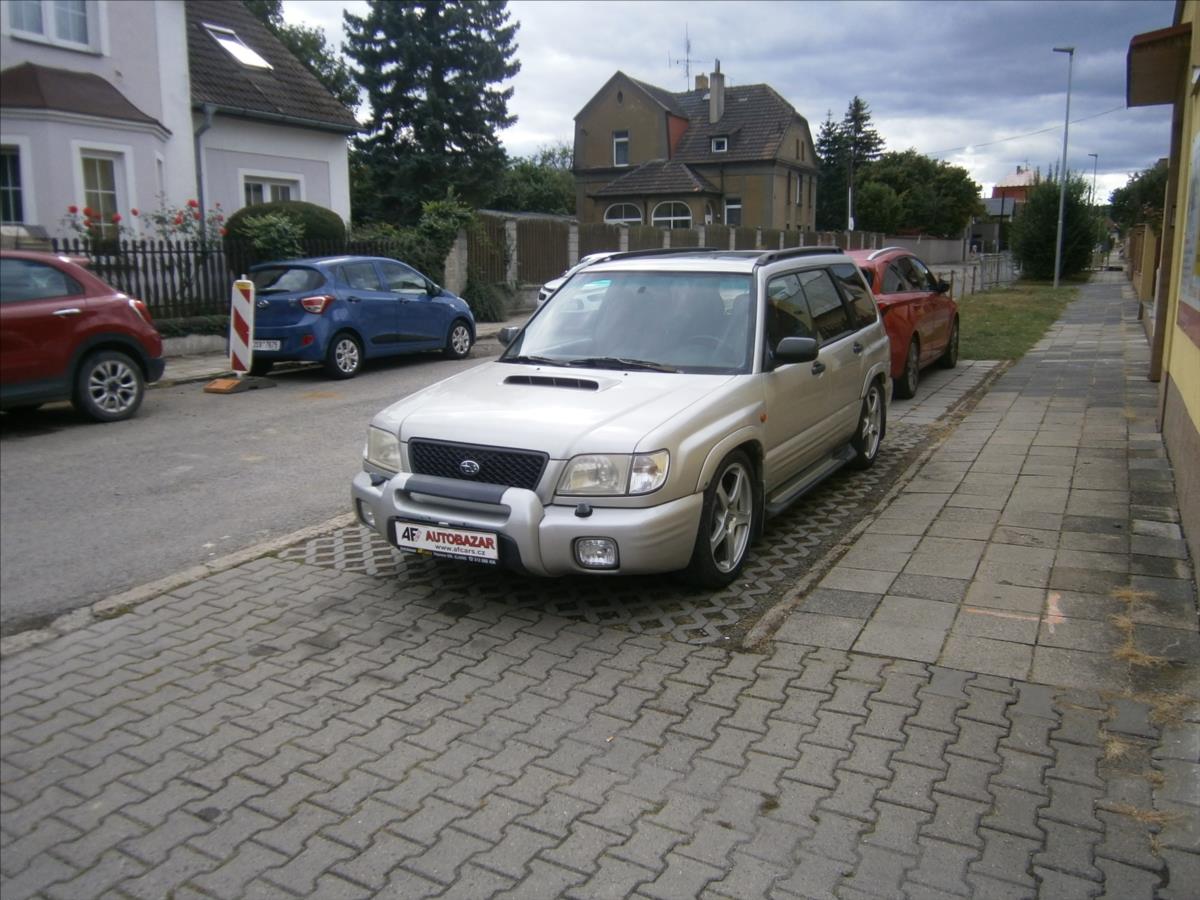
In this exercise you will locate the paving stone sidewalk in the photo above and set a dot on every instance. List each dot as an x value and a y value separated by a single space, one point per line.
288 730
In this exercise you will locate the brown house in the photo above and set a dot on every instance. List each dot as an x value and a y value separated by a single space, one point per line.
737 155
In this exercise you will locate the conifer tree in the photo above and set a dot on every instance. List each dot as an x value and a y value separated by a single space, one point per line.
433 71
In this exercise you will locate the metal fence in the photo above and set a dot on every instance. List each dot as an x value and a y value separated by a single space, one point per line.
598 237
487 250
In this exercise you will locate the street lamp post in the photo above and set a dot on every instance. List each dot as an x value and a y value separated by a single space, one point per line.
1095 164
1062 185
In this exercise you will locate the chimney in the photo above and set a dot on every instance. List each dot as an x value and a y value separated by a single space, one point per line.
702 82
716 95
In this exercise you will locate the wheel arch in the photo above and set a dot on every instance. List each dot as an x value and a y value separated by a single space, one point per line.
97 343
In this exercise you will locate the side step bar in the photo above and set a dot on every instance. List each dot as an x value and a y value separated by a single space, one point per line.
789 493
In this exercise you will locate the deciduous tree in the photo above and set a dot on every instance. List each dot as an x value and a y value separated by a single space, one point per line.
1141 199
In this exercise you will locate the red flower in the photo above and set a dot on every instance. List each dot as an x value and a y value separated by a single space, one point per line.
224 231
134 211
196 214
193 204
116 217
87 223
88 211
220 218
179 219
73 209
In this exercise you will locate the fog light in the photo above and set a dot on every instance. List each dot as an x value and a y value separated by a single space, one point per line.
366 514
596 553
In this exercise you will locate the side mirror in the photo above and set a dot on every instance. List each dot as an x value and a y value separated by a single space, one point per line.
508 334
432 289
942 286
796 350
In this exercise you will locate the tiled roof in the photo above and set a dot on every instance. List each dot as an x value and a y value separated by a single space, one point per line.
663 97
658 177
286 91
755 121
30 86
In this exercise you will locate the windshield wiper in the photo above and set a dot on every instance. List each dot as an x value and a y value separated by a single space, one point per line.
618 362
534 360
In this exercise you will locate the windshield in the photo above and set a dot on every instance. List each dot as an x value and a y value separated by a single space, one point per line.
664 321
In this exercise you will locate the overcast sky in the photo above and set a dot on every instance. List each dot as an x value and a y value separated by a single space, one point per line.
951 78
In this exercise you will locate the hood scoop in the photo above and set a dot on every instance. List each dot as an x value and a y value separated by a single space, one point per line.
554 381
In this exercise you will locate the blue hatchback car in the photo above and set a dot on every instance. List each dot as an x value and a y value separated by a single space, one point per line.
342 310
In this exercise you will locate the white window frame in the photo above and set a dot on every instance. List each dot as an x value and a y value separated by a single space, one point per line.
624 220
720 144
231 42
799 189
123 172
620 137
735 204
293 180
49 33
672 219
29 210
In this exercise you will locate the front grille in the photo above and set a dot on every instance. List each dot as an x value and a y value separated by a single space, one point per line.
497 465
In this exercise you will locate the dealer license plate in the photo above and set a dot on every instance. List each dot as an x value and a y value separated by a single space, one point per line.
451 543
266 345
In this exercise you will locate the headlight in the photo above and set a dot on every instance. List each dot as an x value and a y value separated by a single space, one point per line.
596 474
383 449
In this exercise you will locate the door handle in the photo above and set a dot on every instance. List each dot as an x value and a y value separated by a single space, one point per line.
858 348
353 299
818 368
69 311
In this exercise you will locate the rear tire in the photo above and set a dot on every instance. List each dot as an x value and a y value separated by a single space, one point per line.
906 385
458 341
728 522
344 357
872 425
109 386
949 357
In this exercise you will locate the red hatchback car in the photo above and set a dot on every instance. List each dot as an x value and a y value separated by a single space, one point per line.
920 316
67 335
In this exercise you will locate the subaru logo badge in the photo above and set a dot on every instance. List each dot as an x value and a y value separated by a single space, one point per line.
469 467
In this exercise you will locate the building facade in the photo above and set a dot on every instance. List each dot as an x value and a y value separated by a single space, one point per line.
739 156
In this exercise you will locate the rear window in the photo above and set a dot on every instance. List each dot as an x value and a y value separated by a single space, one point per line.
286 279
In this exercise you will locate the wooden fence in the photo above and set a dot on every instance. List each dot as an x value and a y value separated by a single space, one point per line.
543 249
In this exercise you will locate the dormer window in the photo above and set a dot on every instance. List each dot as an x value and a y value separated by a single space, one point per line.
233 45
720 144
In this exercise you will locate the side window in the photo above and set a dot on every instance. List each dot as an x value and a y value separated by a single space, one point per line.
361 276
914 273
400 278
924 277
893 281
787 312
862 303
825 304
24 279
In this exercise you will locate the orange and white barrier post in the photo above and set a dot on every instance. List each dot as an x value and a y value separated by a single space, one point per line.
241 326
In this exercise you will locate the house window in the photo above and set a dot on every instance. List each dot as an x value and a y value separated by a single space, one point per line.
799 190
64 22
235 47
733 211
11 207
812 189
672 214
623 214
720 144
270 190
620 148
101 191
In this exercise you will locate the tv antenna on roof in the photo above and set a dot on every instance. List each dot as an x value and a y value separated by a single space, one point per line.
686 60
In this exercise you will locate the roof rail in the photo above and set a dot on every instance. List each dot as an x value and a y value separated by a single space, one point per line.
657 251
885 250
776 255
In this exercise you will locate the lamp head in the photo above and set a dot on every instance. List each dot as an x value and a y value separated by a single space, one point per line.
1070 50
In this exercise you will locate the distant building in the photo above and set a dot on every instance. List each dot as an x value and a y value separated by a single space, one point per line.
737 155
1015 186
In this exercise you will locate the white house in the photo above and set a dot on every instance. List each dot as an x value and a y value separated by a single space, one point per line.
123 104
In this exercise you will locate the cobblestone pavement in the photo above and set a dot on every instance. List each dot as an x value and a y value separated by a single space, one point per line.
284 729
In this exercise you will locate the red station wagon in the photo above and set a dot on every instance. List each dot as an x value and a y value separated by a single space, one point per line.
67 335
920 316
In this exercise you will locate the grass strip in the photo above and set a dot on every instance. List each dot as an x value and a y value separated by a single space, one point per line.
1004 323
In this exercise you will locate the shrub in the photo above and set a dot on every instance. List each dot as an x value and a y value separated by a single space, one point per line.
171 328
488 302
273 236
316 222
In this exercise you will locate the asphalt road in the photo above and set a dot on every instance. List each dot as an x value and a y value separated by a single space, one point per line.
88 510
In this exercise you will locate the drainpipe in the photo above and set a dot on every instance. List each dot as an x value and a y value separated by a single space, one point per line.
208 110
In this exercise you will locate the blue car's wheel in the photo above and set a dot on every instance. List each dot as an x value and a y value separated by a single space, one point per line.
344 357
458 341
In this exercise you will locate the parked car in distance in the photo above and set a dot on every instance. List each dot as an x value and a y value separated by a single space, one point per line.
920 315
343 310
66 334
555 283
647 418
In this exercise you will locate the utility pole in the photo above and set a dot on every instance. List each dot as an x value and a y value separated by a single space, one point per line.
1095 165
1062 185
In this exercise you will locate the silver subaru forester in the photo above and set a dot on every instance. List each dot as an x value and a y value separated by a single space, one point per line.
646 419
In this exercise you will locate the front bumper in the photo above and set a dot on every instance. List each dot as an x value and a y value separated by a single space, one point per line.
533 537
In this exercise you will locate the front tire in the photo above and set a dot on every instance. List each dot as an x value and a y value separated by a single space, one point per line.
906 384
458 341
949 357
109 386
728 518
872 424
344 357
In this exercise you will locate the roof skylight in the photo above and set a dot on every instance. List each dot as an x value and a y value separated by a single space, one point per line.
233 45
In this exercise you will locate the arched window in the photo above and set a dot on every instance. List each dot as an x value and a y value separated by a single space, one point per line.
623 214
672 214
